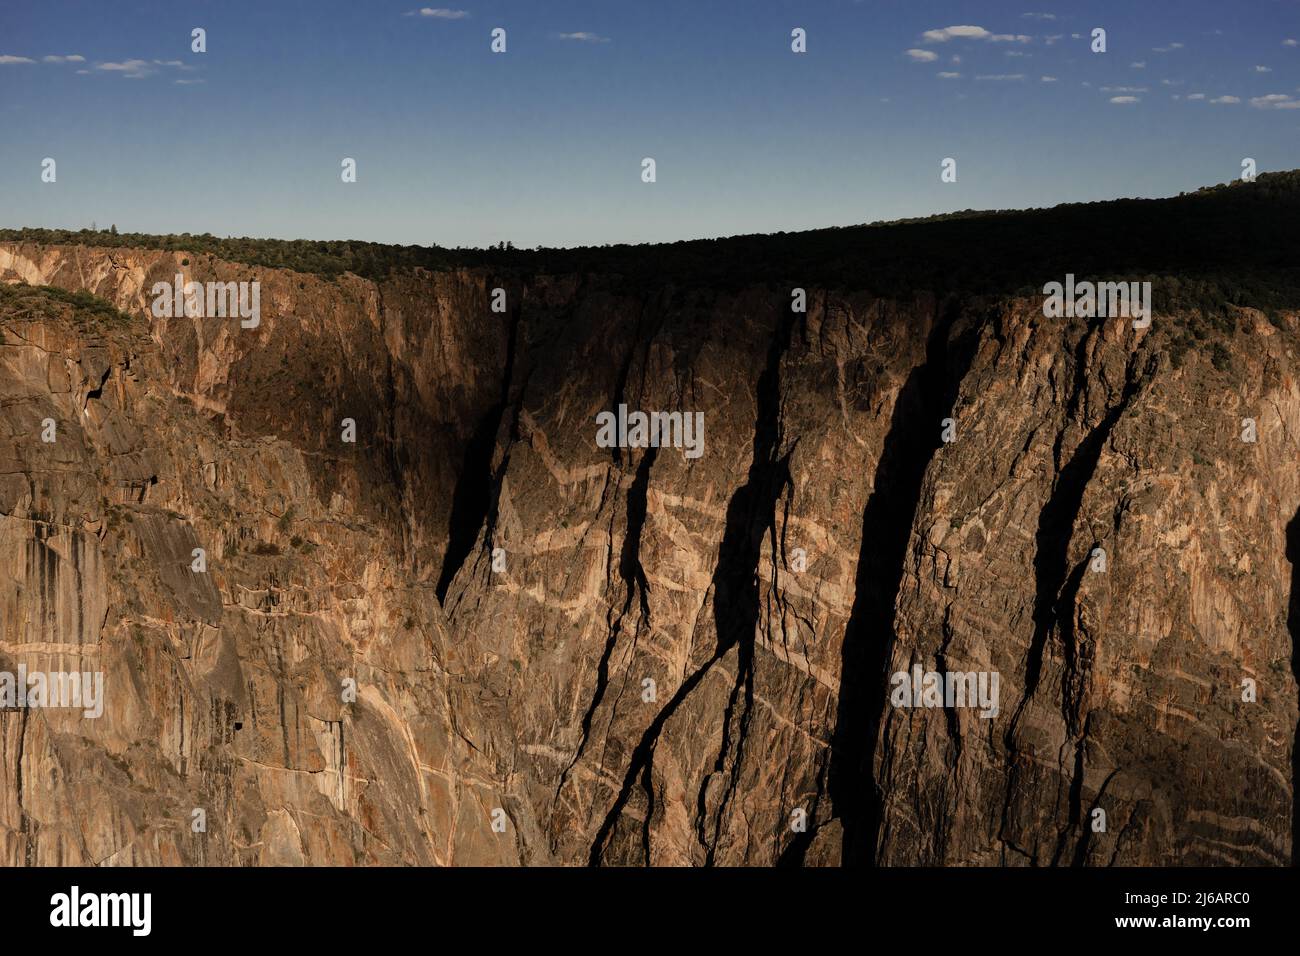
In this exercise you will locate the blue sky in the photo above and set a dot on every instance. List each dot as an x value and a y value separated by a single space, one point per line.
543 144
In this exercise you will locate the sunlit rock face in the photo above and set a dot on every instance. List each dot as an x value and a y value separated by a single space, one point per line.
482 633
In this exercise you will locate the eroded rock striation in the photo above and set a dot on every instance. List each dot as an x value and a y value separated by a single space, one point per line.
564 653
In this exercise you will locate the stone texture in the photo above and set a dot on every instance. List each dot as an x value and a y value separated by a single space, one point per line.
524 688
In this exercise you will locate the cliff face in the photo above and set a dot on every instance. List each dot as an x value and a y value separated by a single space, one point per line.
637 655
224 690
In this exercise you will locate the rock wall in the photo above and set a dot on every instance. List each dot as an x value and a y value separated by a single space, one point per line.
640 656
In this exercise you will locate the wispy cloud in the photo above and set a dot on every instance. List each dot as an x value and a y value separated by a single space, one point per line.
944 34
1275 101
1289 42
1124 100
584 37
1263 69
1225 99
922 56
1001 76
1196 96
51 58
1047 79
438 13
131 69
1167 49
1138 64
1124 89
949 76
137 69
1039 16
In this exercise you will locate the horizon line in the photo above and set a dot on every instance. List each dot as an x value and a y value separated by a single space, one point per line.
906 220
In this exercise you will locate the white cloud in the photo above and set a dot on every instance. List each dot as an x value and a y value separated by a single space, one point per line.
1124 89
1226 99
126 66
584 37
947 33
1002 76
950 76
1039 16
1275 101
1124 100
922 56
1016 53
1048 79
136 69
944 34
1263 69
438 13
1290 43
1053 37
71 58
1196 96
1166 49
6 58
187 82
1139 65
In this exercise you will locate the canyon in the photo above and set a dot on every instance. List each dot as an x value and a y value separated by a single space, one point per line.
475 607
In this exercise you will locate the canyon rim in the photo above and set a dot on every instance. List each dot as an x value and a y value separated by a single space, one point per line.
363 587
